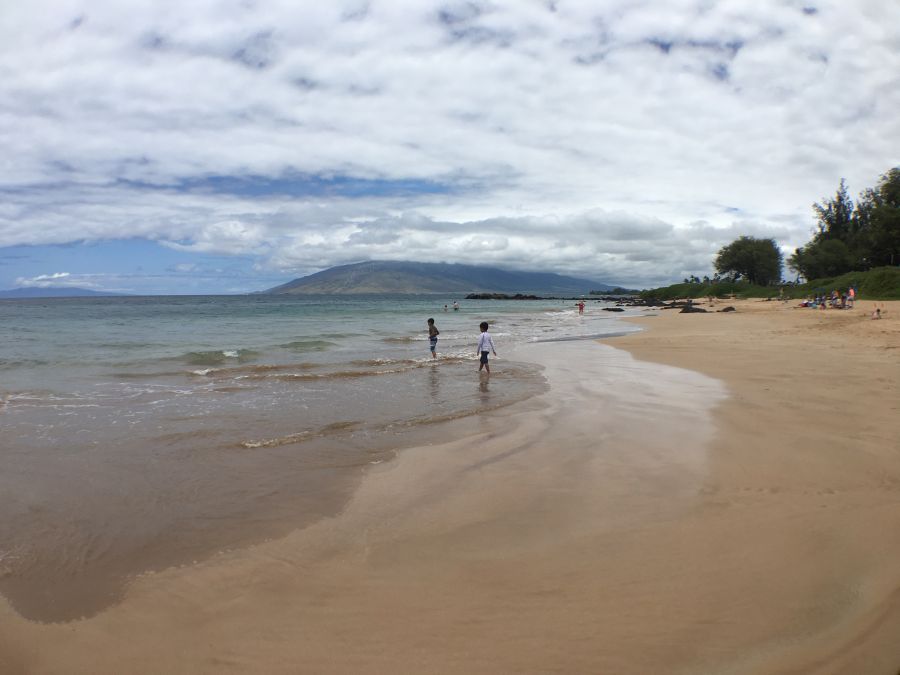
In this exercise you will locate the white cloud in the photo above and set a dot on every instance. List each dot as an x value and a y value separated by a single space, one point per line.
590 138
48 280
230 237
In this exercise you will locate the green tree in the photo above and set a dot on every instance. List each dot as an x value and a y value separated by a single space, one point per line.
797 262
835 216
850 238
838 221
756 260
878 222
829 258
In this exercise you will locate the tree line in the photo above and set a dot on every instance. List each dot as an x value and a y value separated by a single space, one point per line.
853 237
848 238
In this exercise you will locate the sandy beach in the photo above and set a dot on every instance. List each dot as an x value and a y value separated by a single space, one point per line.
719 493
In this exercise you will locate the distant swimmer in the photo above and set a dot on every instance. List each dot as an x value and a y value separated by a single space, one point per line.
433 333
485 345
445 308
455 306
580 305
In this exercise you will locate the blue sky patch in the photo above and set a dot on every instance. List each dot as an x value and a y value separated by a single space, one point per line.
300 185
134 266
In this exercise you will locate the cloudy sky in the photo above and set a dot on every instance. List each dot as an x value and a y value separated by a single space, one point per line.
228 146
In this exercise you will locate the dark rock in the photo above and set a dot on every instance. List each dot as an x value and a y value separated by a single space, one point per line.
613 309
689 309
727 309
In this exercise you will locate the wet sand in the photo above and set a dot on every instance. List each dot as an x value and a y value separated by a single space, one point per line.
90 506
733 508
805 475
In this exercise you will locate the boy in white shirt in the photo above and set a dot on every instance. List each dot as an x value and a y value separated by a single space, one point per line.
485 345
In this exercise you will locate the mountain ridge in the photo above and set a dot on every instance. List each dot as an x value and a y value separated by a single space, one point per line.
411 278
54 292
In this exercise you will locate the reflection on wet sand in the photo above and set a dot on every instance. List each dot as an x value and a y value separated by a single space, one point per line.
484 389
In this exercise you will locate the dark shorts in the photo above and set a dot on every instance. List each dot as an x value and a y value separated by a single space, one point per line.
433 341
484 356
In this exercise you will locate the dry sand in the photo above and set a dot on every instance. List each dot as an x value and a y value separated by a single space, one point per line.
740 516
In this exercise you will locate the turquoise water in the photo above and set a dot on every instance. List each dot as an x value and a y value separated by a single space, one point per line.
143 432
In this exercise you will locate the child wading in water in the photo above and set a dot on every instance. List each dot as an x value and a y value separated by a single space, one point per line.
485 345
433 332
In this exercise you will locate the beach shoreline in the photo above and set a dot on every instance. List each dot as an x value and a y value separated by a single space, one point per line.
565 535
808 449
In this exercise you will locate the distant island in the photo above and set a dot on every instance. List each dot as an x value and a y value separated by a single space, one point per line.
412 278
53 292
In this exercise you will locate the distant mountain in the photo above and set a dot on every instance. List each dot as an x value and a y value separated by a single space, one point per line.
52 292
415 277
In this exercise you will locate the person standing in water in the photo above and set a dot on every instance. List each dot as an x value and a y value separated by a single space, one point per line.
433 333
485 345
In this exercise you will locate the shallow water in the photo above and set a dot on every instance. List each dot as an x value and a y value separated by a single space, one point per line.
139 433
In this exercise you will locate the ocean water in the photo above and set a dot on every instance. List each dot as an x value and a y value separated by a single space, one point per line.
139 433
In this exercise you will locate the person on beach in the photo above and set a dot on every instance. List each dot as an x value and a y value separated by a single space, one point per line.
485 345
433 332
445 308
580 305
455 306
